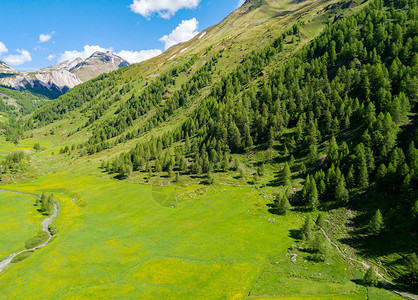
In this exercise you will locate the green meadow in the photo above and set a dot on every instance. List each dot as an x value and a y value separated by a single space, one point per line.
19 221
122 240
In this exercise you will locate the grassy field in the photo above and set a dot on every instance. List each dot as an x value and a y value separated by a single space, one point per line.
118 240
24 145
19 221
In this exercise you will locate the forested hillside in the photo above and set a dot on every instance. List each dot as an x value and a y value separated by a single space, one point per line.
344 106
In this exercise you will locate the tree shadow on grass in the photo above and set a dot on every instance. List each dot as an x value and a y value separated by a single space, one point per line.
295 234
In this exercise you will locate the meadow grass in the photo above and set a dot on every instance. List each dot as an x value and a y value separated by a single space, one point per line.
184 241
19 221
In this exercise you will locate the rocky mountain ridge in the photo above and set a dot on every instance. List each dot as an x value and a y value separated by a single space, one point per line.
59 78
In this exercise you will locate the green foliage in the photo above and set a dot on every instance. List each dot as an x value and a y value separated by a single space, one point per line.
376 224
283 205
21 256
370 277
14 162
413 268
320 221
319 247
286 175
47 204
310 192
306 230
210 178
37 240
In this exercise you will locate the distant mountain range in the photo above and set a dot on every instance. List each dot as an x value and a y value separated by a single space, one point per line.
58 79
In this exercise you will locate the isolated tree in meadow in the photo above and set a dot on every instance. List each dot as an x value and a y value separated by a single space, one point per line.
370 277
286 175
306 230
319 246
376 224
283 205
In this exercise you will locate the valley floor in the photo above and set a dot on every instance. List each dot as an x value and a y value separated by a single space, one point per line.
182 241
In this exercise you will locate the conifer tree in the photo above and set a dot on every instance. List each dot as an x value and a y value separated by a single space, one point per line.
322 188
283 205
234 136
286 175
319 246
306 230
370 278
363 177
341 193
376 223
210 178
313 195
313 155
350 178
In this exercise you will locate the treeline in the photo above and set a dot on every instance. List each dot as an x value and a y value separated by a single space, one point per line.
138 105
336 84
167 106
209 134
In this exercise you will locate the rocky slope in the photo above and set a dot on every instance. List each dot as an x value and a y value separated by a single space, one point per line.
60 78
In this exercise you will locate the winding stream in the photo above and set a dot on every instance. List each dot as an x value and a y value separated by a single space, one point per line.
45 225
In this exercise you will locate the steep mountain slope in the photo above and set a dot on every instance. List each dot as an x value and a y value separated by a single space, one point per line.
6 69
57 79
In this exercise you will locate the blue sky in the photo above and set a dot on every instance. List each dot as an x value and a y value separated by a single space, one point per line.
37 34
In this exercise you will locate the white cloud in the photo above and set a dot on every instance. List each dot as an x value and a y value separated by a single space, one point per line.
18 59
133 57
186 30
3 48
51 57
38 48
86 53
165 8
240 3
45 37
